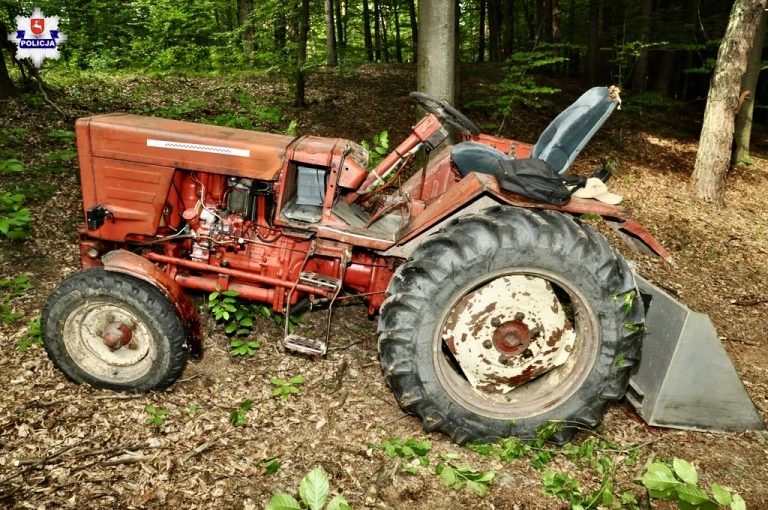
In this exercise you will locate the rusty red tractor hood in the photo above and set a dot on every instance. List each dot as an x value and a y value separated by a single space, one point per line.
532 309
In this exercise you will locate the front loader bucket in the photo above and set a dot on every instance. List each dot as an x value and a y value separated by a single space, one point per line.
685 379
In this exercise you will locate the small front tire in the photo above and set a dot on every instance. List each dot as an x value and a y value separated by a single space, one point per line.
114 331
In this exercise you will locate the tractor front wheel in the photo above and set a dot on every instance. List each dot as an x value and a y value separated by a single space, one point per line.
507 320
113 331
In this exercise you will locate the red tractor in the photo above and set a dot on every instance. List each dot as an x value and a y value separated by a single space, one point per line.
498 312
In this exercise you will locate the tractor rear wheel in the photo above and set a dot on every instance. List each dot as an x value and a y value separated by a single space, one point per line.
507 320
114 331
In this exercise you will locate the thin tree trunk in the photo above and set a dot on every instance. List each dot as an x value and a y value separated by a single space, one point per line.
593 44
481 33
341 42
377 29
494 31
345 20
331 59
414 29
548 28
367 31
714 155
280 32
640 78
384 38
244 10
743 128
508 15
301 56
398 40
7 89
437 59
529 22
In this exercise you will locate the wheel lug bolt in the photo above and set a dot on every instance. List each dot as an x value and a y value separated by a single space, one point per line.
487 344
495 322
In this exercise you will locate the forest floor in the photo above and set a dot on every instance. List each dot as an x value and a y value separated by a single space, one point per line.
63 445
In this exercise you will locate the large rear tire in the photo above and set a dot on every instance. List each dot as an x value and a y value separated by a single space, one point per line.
507 320
114 331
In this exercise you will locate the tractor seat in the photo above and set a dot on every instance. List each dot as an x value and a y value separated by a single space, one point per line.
471 157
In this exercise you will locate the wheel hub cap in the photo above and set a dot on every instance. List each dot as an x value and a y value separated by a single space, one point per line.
508 332
117 334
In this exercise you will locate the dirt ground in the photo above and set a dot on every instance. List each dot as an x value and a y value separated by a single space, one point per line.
63 445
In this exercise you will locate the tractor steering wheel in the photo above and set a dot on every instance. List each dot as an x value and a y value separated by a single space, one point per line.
445 112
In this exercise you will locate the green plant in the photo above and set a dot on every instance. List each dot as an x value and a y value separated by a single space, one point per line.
284 388
679 482
155 415
15 219
458 477
33 336
193 410
377 148
314 490
271 466
9 289
414 450
238 318
10 166
239 416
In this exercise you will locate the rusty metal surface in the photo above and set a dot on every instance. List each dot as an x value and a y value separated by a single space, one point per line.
121 261
508 332
192 146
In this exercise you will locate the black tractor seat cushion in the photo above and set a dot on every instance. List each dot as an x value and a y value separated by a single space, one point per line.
530 177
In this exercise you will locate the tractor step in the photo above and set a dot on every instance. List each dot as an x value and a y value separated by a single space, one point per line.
303 345
320 280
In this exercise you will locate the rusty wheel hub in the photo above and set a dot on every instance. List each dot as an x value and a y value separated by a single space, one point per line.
508 332
117 334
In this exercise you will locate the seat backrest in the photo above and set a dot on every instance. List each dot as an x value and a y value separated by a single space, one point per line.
565 136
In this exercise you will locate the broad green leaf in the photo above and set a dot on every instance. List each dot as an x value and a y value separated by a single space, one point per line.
230 293
721 495
314 488
737 503
297 379
247 321
338 503
271 466
276 381
487 477
691 494
448 476
477 488
668 494
283 502
659 477
685 471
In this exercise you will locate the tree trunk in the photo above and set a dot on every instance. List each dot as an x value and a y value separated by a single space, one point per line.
508 15
593 44
640 78
414 29
244 11
714 154
341 42
548 28
437 48
280 32
367 31
481 33
377 29
748 84
383 9
331 59
494 31
7 89
301 56
398 39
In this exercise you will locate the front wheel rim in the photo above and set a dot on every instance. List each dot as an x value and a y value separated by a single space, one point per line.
545 391
84 333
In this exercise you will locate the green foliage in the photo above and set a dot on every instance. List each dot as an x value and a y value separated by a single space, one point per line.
414 450
314 490
239 416
238 319
11 288
15 219
377 148
284 388
10 166
679 482
155 415
271 466
33 336
458 477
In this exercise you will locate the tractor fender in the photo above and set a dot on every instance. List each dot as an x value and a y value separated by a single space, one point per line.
477 191
122 261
